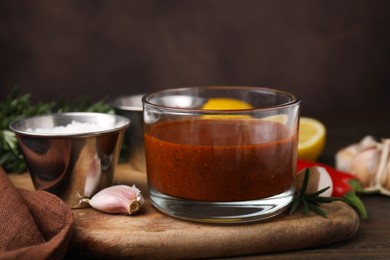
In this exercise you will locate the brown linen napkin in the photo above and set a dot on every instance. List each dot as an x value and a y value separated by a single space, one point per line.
33 224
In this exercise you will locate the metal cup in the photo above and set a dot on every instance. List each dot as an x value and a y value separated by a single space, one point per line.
71 165
131 108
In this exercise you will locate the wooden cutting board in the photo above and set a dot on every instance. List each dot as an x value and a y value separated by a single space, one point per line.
151 234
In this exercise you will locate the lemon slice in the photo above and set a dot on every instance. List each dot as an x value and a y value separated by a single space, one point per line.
311 139
225 104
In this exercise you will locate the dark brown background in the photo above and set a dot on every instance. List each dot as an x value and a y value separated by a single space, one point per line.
334 54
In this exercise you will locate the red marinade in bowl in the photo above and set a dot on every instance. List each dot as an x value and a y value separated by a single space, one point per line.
219 159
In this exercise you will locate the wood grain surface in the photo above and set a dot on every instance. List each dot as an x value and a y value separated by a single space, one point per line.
151 234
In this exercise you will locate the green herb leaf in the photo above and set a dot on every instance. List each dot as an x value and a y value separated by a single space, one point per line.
16 106
310 201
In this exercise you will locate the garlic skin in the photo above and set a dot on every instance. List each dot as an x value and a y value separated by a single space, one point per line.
319 179
118 199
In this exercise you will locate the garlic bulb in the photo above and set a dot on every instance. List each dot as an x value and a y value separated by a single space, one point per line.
369 161
118 199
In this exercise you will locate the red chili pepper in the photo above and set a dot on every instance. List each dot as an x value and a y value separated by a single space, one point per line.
345 185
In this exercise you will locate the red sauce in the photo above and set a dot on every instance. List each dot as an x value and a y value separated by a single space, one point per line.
220 160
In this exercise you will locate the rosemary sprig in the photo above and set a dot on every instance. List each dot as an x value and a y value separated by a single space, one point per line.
16 106
310 201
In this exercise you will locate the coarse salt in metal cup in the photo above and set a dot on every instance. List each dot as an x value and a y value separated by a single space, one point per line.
222 166
72 155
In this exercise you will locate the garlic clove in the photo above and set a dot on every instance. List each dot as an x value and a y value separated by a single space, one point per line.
319 179
345 156
383 174
118 199
367 142
384 191
386 180
365 165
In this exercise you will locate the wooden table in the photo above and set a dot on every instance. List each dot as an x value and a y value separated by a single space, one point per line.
372 240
